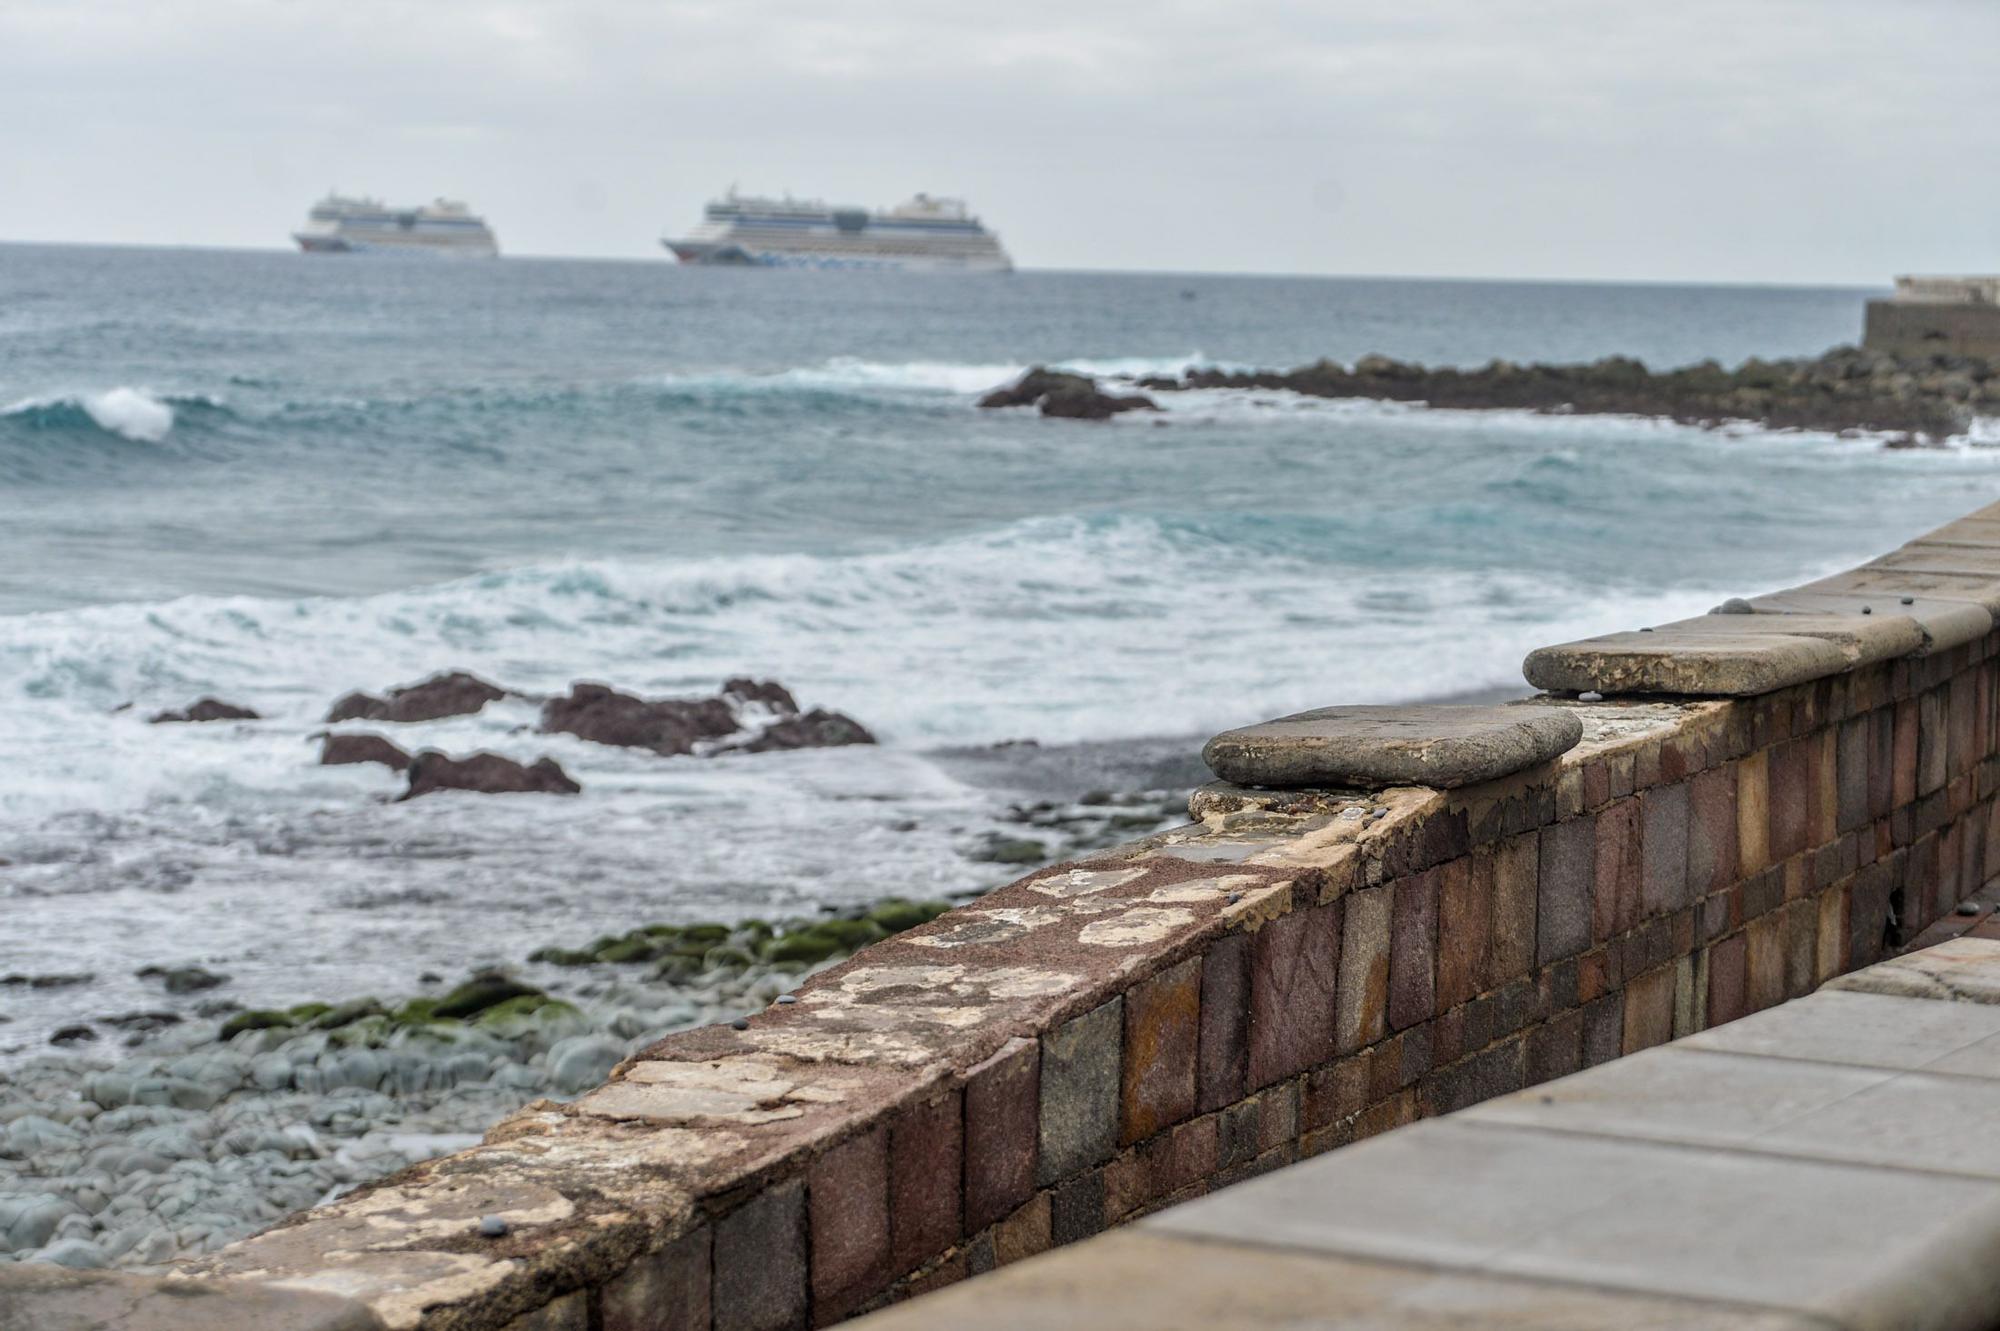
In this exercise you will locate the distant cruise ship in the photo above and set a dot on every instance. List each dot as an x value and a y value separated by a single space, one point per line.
925 233
341 225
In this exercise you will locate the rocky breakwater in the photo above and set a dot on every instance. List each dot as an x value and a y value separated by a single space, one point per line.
1071 396
1916 398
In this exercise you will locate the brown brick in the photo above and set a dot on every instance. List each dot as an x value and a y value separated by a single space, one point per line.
1025 1233
1399 1110
1711 837
1798 933
1566 870
571 1312
1932 771
1361 1006
1515 863
1690 995
1294 963
1555 1048
1162 1030
1961 729
1620 765
1465 929
1790 799
1753 813
1604 1029
1882 762
847 1192
760 1262
1851 774
1413 951
1596 778
1764 965
1619 876
1904 786
926 1164
666 1290
1728 980
1830 959
1664 813
1649 1009
1334 1092
1494 1071
1597 974
1080 1085
1076 1208
1002 1124
1225 1022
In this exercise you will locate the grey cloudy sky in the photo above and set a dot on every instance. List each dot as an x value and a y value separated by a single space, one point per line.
1737 140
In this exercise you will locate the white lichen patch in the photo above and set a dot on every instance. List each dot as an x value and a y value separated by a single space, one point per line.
1083 882
1142 924
748 1091
452 1205
398 1286
1202 889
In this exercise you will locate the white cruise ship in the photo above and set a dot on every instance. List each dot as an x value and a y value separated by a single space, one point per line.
926 233
340 224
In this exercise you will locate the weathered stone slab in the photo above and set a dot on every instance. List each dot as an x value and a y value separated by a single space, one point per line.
1945 623
1710 666
1869 580
1682 1095
1440 746
1864 1029
1965 970
38 1297
1148 1282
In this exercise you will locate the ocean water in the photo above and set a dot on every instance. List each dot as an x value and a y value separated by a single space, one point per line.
275 478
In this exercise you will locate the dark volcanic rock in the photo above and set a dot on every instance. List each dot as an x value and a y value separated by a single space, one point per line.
73 1035
817 729
672 726
47 981
340 750
1845 389
453 693
208 709
182 979
488 774
1072 396
605 716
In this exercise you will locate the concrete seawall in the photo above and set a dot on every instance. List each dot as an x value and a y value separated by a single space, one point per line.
1759 801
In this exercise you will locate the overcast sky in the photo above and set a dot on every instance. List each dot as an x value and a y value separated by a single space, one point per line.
1834 141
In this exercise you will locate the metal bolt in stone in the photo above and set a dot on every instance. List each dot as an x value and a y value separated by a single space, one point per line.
493 1227
788 999
1968 908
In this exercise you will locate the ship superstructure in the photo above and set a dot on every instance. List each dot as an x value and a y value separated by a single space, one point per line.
924 233
344 224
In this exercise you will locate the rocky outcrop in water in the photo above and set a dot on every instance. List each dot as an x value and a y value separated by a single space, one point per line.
486 774
207 709
342 750
1845 389
1062 394
454 693
749 716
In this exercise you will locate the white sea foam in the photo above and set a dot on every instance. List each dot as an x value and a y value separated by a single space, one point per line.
131 412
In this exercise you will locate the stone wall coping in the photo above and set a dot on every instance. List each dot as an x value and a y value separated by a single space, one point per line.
1829 627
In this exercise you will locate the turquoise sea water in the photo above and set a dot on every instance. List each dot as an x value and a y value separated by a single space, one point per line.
276 478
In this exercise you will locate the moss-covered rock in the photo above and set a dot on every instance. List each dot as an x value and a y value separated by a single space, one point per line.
806 945
563 956
305 1014
345 1014
480 993
632 947
261 1019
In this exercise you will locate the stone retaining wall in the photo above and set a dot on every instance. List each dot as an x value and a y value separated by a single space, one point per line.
1288 973
1918 328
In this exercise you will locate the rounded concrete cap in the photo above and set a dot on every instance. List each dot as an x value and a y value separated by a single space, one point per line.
1436 745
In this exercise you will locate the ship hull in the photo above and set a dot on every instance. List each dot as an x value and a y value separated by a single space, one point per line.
323 244
704 254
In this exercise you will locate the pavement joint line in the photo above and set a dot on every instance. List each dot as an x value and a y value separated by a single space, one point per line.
1745 1148
1927 1069
1482 1272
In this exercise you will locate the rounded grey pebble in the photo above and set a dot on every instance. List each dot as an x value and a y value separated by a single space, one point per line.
1233 898
493 1227
1909 600
788 999
1968 908
1867 609
1735 605
739 1025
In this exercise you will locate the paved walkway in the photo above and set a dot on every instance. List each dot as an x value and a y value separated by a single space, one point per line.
1830 1163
